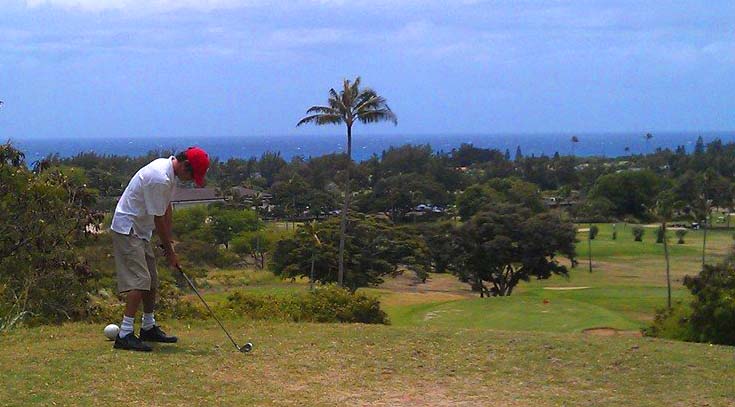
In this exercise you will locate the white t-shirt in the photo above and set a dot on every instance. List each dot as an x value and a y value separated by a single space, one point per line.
147 195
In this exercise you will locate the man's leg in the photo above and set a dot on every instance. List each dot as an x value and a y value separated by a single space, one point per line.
149 330
132 279
149 303
132 302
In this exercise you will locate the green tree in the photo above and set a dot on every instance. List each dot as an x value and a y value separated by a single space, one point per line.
256 244
347 107
440 241
474 198
594 231
375 248
45 215
226 223
631 192
507 243
713 308
638 233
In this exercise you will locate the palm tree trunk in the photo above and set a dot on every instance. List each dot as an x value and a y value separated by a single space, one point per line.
589 246
311 274
704 241
666 255
345 208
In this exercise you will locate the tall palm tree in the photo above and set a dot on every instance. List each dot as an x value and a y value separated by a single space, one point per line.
574 140
347 107
648 136
664 209
311 229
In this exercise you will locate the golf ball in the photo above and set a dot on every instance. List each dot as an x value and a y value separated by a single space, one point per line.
111 331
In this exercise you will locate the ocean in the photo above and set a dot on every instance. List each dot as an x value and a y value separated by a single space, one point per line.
365 145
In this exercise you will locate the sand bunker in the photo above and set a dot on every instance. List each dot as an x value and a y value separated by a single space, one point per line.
605 331
564 288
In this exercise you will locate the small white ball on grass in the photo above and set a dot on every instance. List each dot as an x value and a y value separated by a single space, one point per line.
111 331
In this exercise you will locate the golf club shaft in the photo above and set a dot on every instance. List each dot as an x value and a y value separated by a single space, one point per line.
191 284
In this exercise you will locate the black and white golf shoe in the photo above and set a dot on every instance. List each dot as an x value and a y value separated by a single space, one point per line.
155 334
131 342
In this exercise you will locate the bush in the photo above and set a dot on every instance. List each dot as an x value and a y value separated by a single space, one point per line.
334 304
173 304
713 308
638 233
107 308
672 323
594 230
325 304
198 252
660 235
711 315
680 233
258 306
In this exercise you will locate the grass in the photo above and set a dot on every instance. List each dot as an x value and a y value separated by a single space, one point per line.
307 364
445 345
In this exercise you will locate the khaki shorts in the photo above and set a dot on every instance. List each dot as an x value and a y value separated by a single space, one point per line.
134 262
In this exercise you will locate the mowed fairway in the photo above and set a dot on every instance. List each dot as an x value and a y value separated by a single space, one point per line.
445 346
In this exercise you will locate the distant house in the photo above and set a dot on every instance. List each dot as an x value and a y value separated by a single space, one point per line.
184 197
250 194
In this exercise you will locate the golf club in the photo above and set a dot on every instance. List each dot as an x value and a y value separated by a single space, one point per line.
247 347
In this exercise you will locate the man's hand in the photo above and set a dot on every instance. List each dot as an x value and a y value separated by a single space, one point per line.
173 259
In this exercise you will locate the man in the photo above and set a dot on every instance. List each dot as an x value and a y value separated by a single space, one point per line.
144 206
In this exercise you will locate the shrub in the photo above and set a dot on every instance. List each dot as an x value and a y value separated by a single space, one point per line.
173 304
334 304
198 252
325 304
711 315
226 258
638 233
594 230
659 235
258 306
713 307
672 323
680 234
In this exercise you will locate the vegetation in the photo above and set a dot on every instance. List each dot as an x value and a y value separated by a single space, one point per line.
347 107
45 215
325 304
709 316
374 250
507 243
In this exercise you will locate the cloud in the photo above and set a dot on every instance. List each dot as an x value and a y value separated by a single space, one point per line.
144 5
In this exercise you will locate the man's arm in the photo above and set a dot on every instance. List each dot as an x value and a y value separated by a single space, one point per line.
163 228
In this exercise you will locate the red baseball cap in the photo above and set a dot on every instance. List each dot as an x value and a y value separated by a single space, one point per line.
199 161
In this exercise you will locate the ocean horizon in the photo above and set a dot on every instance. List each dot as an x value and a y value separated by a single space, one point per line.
364 146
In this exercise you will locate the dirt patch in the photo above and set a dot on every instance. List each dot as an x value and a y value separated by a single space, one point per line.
436 283
606 331
565 288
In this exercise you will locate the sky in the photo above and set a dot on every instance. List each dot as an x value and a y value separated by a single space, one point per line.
251 68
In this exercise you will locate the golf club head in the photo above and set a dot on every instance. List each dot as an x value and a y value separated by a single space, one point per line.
246 348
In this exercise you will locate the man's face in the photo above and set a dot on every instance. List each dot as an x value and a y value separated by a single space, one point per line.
186 174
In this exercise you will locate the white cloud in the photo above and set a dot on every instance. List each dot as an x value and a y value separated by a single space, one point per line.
144 5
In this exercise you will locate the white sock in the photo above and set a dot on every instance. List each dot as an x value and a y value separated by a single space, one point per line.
148 321
127 326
